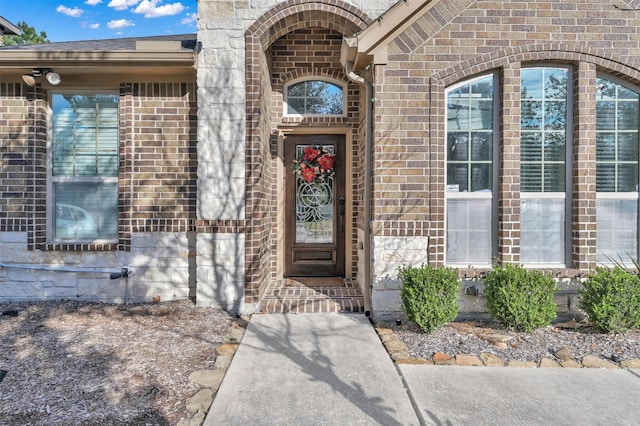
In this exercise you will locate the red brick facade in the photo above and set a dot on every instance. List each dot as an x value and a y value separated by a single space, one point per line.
157 179
457 40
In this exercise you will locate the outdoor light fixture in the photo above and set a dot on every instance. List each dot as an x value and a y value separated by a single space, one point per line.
29 79
52 77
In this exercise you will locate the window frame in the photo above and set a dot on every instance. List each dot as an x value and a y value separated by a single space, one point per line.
622 195
495 169
285 95
567 195
51 179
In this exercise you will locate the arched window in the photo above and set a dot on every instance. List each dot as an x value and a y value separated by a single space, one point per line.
471 134
544 142
617 160
314 97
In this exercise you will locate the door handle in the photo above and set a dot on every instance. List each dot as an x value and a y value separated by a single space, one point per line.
341 209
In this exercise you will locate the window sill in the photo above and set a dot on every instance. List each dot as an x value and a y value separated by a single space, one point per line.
79 246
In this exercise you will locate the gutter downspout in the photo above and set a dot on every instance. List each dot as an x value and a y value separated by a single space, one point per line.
367 179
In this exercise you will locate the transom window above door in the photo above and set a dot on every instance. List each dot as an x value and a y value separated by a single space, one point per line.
314 97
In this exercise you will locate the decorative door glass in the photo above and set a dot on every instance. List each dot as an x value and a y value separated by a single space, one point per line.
314 206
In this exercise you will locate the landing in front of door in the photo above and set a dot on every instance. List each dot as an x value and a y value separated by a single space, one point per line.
312 295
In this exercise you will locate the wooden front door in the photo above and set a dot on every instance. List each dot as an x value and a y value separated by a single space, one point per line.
315 210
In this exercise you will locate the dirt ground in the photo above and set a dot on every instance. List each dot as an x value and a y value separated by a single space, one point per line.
72 363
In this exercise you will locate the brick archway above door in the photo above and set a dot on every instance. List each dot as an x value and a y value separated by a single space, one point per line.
284 18
295 14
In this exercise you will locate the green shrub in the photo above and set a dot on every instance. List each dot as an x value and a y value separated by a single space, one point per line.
430 295
611 299
520 299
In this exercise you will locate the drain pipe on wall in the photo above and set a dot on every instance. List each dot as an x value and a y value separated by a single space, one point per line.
124 272
367 178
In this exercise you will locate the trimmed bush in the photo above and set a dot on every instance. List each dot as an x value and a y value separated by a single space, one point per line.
520 299
429 295
611 299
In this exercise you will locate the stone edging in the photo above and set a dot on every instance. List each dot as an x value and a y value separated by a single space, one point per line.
211 379
399 353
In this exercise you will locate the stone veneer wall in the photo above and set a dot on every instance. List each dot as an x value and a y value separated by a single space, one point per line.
459 39
235 127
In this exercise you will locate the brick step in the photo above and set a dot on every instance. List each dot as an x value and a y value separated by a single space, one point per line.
280 298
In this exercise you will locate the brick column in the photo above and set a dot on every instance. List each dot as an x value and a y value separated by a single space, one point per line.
437 170
583 209
509 170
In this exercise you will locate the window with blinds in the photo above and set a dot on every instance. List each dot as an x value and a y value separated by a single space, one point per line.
617 157
470 153
84 166
543 168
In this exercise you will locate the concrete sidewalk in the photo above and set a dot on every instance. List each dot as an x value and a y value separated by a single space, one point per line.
331 369
455 395
311 369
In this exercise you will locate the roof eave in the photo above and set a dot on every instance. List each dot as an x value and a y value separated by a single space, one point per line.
370 45
32 58
8 28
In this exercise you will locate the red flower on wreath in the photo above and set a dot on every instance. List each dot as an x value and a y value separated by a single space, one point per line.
308 174
311 153
326 162
314 164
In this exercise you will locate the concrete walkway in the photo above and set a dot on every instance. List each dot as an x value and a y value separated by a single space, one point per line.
331 369
311 369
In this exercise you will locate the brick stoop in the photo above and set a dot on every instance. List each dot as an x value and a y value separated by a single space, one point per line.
291 296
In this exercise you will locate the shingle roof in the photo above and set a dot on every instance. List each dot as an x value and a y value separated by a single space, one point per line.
188 43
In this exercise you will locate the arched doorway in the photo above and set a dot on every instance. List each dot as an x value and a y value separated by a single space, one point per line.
298 40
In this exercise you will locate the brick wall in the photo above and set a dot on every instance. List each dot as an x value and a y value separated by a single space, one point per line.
315 53
22 160
157 190
282 35
457 40
162 176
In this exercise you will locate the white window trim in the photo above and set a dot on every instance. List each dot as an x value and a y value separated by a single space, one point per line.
617 195
543 195
285 91
50 178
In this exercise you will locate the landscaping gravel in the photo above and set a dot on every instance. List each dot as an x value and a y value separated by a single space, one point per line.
582 340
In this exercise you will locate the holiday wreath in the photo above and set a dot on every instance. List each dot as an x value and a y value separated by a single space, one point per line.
314 164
